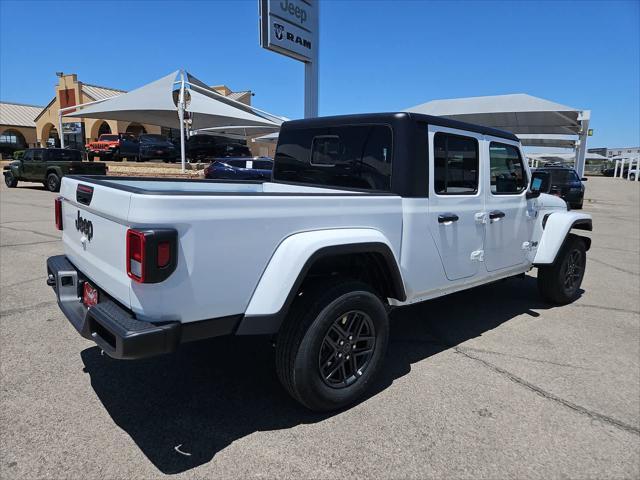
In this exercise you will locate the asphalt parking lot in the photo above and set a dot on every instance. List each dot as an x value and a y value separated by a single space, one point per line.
490 383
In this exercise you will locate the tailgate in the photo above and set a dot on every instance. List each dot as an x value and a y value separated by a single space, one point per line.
94 235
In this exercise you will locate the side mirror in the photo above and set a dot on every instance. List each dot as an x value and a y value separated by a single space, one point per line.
532 194
584 179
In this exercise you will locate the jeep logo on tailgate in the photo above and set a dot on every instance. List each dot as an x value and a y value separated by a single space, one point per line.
84 226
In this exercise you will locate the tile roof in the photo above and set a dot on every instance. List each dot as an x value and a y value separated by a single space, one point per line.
238 95
18 114
100 93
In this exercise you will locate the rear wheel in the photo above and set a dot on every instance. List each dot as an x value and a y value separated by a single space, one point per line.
10 180
332 344
560 283
53 182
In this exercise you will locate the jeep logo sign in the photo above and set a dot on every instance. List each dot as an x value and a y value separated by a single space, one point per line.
295 11
84 226
288 27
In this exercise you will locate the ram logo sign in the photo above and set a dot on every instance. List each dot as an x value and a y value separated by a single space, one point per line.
288 27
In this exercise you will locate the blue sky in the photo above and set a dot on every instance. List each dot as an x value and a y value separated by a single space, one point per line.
374 55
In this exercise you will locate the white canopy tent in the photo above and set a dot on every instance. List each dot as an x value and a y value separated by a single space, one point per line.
536 121
561 157
174 101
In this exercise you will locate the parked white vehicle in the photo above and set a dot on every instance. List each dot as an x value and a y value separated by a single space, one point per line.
364 213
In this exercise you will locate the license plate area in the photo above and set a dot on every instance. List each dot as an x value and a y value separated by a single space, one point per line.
90 295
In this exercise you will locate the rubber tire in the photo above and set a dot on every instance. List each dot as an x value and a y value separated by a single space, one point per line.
550 277
302 333
91 158
53 182
10 181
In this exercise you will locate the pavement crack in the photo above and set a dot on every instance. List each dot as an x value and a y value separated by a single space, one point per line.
28 243
630 272
30 231
548 395
11 311
537 360
599 307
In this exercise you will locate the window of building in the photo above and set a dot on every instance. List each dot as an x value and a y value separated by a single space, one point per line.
352 156
11 138
507 170
456 164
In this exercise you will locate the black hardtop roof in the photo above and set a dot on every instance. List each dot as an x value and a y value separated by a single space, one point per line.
396 118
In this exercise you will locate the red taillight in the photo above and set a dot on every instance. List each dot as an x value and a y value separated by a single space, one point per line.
136 255
58 214
164 254
151 254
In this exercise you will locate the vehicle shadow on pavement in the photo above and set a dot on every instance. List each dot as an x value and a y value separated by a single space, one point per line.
182 409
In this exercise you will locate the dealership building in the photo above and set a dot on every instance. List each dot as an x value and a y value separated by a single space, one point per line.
23 126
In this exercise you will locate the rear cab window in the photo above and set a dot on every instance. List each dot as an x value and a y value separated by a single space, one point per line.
350 156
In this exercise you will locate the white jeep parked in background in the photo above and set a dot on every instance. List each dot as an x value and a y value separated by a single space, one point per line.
363 213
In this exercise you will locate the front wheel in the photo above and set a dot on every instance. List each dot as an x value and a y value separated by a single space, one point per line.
332 344
560 283
10 180
53 182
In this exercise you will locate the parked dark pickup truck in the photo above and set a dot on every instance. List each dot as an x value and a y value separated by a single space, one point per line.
49 165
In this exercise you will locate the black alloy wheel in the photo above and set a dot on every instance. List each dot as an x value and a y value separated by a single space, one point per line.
559 283
347 349
573 269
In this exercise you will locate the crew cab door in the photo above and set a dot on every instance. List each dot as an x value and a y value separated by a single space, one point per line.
456 197
508 224
30 165
129 146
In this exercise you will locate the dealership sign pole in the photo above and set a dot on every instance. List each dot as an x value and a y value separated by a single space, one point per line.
290 27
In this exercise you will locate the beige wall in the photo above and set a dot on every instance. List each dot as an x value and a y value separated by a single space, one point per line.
29 133
48 120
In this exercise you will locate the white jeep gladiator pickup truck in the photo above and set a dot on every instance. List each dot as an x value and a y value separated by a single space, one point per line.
363 213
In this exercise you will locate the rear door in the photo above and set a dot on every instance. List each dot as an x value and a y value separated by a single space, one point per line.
508 225
39 164
456 199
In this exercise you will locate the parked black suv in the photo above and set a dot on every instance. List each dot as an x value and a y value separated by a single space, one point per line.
563 182
156 146
207 147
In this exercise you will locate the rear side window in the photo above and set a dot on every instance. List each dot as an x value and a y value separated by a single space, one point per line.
456 164
351 156
507 170
64 156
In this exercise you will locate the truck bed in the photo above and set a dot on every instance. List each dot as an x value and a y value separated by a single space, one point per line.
163 186
227 233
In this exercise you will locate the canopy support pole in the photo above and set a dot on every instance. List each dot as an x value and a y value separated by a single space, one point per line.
181 118
581 150
60 134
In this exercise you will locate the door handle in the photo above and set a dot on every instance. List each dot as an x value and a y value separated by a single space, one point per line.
447 218
496 215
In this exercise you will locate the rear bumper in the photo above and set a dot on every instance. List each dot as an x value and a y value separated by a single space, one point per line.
115 328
